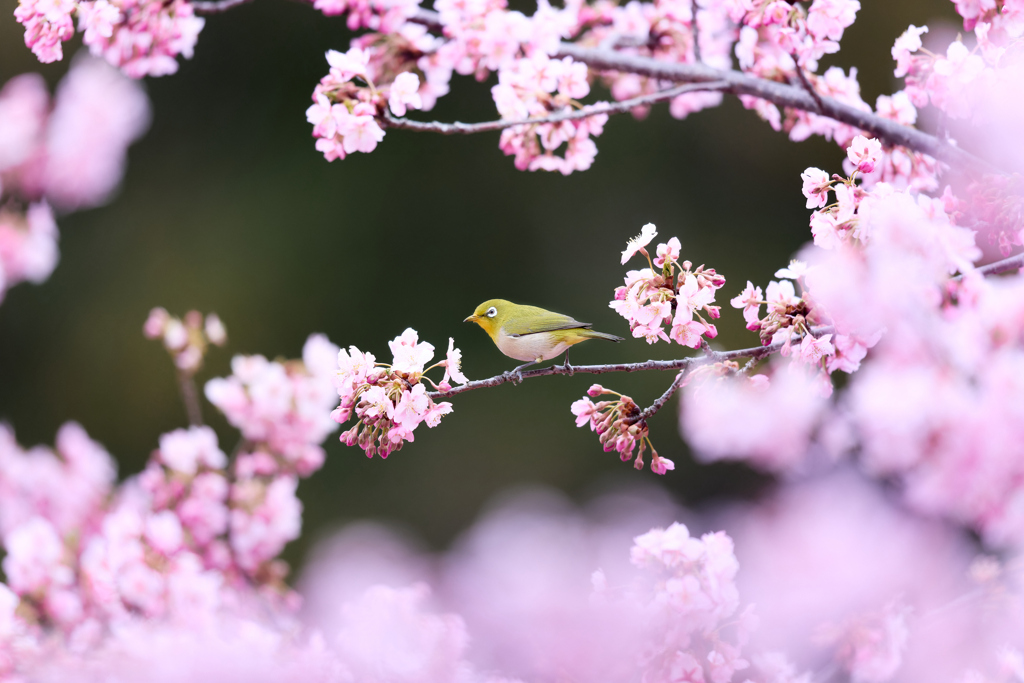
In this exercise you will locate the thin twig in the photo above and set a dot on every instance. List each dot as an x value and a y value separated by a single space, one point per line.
695 31
677 364
216 6
660 402
802 77
459 128
190 397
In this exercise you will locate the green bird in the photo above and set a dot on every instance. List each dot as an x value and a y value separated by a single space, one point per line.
530 333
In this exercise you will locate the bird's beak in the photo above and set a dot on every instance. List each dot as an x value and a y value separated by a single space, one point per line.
471 319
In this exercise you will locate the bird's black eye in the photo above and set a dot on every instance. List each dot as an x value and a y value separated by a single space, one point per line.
491 312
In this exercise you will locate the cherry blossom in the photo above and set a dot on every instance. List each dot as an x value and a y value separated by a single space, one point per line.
647 233
59 157
620 427
768 423
188 339
284 407
405 92
390 401
864 153
677 296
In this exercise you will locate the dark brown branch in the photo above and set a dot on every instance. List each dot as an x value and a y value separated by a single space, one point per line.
458 128
677 364
660 402
190 397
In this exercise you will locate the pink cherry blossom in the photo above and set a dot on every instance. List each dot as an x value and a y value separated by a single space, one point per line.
813 350
769 426
405 92
185 451
816 186
864 153
750 300
361 134
453 364
908 43
647 233
347 65
35 557
668 251
411 355
285 406
47 26
142 38
584 410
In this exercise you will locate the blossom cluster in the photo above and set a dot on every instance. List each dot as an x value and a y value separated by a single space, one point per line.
408 58
771 39
178 563
188 339
696 633
281 407
932 407
772 417
66 154
141 37
673 32
668 292
391 400
344 110
538 86
993 206
621 427
82 557
195 536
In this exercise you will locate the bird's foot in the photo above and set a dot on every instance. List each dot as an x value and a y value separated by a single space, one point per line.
514 376
569 370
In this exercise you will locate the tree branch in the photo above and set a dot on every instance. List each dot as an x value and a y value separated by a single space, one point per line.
458 128
997 267
740 83
190 397
660 402
678 364
778 93
216 6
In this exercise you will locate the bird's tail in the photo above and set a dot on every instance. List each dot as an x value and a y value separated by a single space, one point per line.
594 334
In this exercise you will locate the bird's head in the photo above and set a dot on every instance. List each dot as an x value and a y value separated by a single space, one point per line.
491 315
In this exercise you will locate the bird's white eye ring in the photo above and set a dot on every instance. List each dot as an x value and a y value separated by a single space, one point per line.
491 312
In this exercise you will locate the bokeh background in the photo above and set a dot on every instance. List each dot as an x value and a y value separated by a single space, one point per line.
227 207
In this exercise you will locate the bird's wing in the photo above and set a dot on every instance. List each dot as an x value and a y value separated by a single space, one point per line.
533 320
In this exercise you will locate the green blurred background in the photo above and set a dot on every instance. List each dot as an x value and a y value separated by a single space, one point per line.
227 207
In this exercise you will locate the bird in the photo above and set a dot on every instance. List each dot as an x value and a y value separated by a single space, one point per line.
531 334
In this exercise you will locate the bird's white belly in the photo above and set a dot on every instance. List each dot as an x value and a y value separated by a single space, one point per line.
530 347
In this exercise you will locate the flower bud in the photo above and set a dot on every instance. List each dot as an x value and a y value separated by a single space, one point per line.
216 333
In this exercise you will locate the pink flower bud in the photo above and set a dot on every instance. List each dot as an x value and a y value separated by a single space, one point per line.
175 334
215 330
154 326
